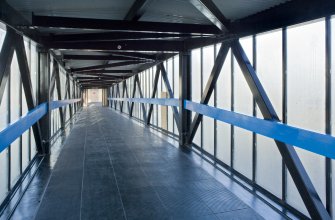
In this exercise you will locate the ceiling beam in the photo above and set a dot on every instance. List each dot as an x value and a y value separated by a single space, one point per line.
126 63
117 25
113 36
286 14
97 57
143 45
104 71
137 55
137 10
212 13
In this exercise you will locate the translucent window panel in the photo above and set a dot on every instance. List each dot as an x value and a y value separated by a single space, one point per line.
269 71
4 110
243 103
25 135
32 144
33 68
176 84
170 78
2 36
306 97
159 93
15 85
196 87
27 48
223 88
208 123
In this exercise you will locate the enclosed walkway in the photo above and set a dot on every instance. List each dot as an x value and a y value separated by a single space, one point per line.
111 167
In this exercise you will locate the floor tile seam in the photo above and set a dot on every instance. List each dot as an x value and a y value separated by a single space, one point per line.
83 175
48 182
154 188
111 163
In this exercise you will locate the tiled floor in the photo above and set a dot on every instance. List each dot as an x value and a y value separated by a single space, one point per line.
112 168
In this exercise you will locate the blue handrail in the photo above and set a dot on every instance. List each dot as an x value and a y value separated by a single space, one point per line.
321 144
57 104
16 129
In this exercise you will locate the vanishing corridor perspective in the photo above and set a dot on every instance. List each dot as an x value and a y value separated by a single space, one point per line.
180 109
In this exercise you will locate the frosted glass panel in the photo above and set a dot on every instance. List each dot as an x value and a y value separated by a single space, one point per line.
223 88
170 77
15 85
25 135
4 154
2 36
208 123
243 104
196 87
176 84
306 97
269 71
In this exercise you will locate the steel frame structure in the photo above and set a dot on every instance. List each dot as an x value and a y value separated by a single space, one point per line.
160 40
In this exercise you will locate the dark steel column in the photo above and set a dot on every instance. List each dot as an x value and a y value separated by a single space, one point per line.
328 113
28 90
43 96
184 94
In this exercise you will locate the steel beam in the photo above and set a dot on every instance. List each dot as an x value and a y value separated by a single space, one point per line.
299 175
101 24
28 90
69 92
171 95
122 45
88 68
6 56
153 94
210 86
113 36
59 94
210 11
133 96
137 10
141 96
98 57
185 79
103 71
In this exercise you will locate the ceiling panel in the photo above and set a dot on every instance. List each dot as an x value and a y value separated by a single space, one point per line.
236 9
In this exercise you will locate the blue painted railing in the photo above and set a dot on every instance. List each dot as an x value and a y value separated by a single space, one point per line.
315 142
57 104
16 129
165 102
321 144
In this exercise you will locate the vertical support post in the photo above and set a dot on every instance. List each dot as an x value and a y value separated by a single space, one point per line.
153 94
68 92
133 95
141 96
27 86
43 96
328 108
59 95
184 94
170 92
